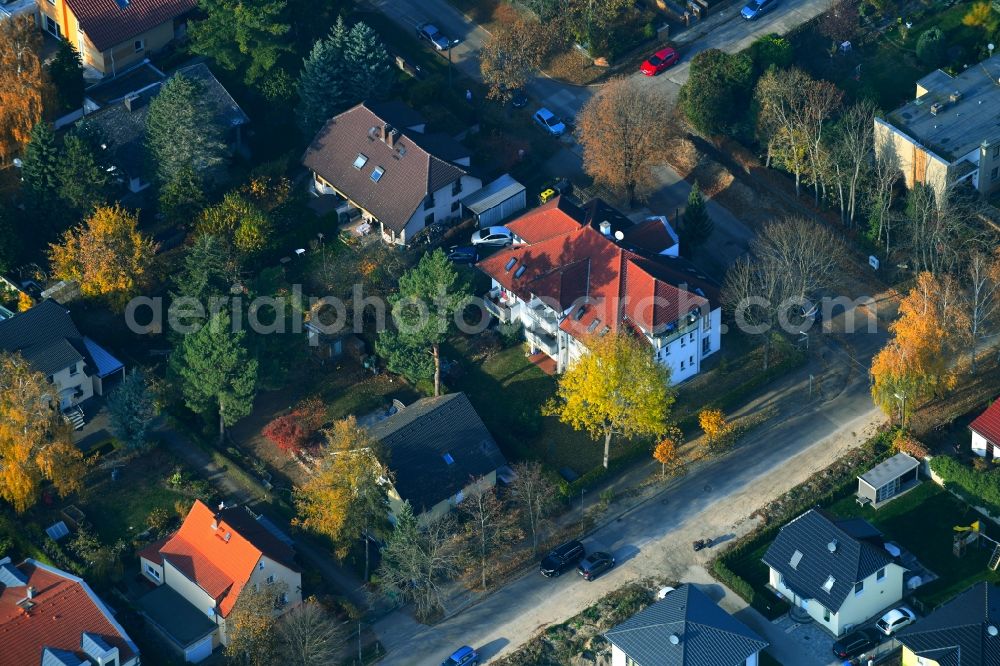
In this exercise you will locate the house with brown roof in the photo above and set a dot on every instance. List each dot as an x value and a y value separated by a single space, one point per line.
202 568
379 158
53 618
112 35
986 432
577 272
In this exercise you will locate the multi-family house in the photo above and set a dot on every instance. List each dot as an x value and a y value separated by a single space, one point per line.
947 134
112 35
962 632
986 432
53 618
202 568
576 272
379 158
838 571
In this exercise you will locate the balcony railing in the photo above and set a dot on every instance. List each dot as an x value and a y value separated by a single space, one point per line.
542 340
537 315
499 309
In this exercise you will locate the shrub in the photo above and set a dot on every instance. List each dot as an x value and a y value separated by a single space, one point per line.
286 433
771 50
158 519
511 332
932 48
977 487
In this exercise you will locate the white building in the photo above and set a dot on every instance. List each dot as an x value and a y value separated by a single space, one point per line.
986 432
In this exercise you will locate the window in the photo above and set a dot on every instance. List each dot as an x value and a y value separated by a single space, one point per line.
456 188
270 579
360 161
377 173
74 369
880 574
510 264
996 149
429 202
520 271
691 336
796 558
682 365
706 346
260 565
51 26
826 614
139 45
429 220
706 323
995 173
859 587
447 458
151 570
683 341
454 206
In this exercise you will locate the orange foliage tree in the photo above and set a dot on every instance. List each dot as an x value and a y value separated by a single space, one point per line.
107 255
666 452
713 423
35 442
510 55
915 364
24 84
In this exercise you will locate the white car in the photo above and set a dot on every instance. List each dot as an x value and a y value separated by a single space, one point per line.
434 36
549 122
895 620
493 236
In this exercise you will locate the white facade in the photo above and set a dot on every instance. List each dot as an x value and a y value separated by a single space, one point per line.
980 445
73 385
447 205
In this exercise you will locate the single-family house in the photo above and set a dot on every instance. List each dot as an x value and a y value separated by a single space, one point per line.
201 569
112 35
121 119
76 366
684 628
962 632
379 158
836 570
439 451
986 432
53 618
576 272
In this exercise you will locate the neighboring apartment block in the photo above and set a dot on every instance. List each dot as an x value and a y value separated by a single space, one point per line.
111 35
581 271
378 157
949 133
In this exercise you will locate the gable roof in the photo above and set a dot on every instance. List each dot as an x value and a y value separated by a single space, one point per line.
987 424
653 235
807 540
45 336
414 165
957 632
110 22
64 609
417 438
219 559
705 634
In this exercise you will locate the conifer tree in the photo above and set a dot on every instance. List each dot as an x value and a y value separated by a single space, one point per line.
367 64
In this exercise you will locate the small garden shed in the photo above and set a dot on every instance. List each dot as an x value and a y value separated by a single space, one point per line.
888 480
496 202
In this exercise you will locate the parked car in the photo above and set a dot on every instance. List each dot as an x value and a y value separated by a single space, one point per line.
463 656
493 236
464 254
756 8
561 558
857 643
434 36
895 620
595 564
660 61
519 98
549 122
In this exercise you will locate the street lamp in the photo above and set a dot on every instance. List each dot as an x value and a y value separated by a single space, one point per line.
902 408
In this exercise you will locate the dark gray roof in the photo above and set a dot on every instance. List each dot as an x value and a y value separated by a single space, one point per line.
958 632
175 616
249 526
125 130
888 470
494 194
417 438
705 634
45 336
811 534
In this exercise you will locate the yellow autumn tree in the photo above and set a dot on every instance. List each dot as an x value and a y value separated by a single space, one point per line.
107 255
980 15
24 302
916 362
35 441
616 388
24 84
713 423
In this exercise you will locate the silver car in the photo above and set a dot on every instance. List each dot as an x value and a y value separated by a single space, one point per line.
501 236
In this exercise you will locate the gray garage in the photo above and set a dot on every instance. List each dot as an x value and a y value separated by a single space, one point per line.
496 202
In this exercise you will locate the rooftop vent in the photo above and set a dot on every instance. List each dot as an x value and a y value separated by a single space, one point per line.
955 96
222 505
606 228
936 108
832 546
674 639
991 630
228 536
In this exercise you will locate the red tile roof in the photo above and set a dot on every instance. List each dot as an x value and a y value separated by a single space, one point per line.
107 23
64 608
554 218
152 551
987 424
652 235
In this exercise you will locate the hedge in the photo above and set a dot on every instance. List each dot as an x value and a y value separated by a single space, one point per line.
978 488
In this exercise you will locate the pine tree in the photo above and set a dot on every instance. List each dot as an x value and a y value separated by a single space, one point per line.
205 272
66 72
131 410
182 198
39 169
82 182
697 226
370 74
321 91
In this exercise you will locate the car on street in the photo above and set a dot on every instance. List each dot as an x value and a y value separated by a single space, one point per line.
463 254
595 564
856 643
757 7
463 656
429 32
561 558
518 98
660 61
549 122
493 236
895 620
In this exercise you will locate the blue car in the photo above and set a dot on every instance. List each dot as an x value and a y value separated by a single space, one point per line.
756 8
463 656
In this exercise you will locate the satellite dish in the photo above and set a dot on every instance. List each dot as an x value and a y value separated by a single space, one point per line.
991 630
619 235
832 546
990 46
674 639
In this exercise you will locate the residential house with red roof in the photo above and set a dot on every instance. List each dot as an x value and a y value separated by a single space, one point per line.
986 432
50 617
202 568
378 157
112 35
575 272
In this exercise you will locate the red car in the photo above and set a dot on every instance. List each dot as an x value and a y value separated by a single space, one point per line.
660 61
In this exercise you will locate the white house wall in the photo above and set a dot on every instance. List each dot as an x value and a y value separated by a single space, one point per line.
876 596
980 445
443 199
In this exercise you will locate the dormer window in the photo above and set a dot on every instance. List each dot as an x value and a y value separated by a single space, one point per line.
429 201
377 173
360 161
828 585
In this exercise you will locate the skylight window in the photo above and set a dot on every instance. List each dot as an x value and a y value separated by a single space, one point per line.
510 264
520 271
593 326
580 312
377 173
828 585
448 459
796 558
360 161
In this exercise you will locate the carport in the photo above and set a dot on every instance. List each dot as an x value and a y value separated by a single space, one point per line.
888 480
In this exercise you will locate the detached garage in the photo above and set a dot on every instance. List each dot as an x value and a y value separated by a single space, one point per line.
189 631
496 202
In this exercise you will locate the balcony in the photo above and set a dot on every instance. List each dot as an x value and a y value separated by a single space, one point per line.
501 309
538 315
541 340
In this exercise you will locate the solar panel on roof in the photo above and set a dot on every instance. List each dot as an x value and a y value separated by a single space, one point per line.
448 459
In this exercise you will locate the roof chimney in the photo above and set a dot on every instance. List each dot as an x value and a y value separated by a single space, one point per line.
31 591
832 546
215 523
391 136
606 228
